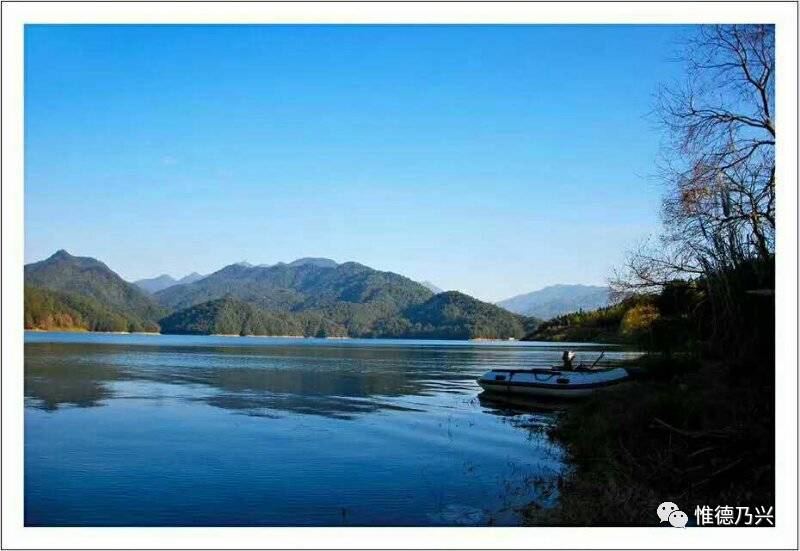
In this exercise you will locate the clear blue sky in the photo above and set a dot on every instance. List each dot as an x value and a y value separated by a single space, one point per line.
490 159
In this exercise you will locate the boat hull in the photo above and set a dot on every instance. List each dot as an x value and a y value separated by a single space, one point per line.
551 383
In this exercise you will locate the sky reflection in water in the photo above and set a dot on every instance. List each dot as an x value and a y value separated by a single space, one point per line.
175 431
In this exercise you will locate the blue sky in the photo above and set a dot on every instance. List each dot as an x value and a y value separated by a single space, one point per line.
489 159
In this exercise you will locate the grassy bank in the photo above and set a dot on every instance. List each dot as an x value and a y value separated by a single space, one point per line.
682 431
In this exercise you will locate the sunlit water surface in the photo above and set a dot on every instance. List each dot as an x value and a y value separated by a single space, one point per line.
136 430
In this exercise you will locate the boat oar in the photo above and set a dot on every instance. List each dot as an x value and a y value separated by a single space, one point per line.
603 353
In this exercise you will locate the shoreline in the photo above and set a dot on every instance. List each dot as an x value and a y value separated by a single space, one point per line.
231 335
616 440
79 330
235 335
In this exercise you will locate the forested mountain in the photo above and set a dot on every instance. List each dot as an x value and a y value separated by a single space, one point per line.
363 301
350 294
90 278
454 315
58 311
229 316
557 300
307 297
450 315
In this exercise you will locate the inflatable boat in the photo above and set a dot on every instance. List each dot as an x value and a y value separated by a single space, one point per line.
551 382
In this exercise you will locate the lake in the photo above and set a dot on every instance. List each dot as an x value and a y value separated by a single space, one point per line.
158 430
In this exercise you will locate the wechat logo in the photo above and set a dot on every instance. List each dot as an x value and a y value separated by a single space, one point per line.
669 512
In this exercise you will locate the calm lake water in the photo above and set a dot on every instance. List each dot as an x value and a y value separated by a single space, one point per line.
135 430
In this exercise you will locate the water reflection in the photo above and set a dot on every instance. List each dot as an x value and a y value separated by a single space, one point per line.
258 432
52 381
328 380
510 404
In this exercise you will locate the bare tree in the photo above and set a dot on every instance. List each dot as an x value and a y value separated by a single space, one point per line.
718 159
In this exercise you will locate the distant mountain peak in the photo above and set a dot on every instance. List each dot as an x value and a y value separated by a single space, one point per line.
154 284
61 256
60 253
305 261
556 300
190 278
318 262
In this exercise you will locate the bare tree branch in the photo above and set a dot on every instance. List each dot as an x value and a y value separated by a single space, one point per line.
718 159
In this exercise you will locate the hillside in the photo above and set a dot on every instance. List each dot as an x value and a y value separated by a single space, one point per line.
89 278
454 315
557 300
57 311
300 285
450 315
350 294
229 316
629 321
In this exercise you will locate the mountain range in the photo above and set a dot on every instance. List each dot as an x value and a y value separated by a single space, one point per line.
308 297
558 300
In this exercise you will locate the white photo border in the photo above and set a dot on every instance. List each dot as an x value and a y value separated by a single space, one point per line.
16 14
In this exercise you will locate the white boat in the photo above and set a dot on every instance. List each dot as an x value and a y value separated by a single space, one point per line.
551 382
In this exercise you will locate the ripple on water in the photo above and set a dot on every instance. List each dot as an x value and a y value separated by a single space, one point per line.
132 430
